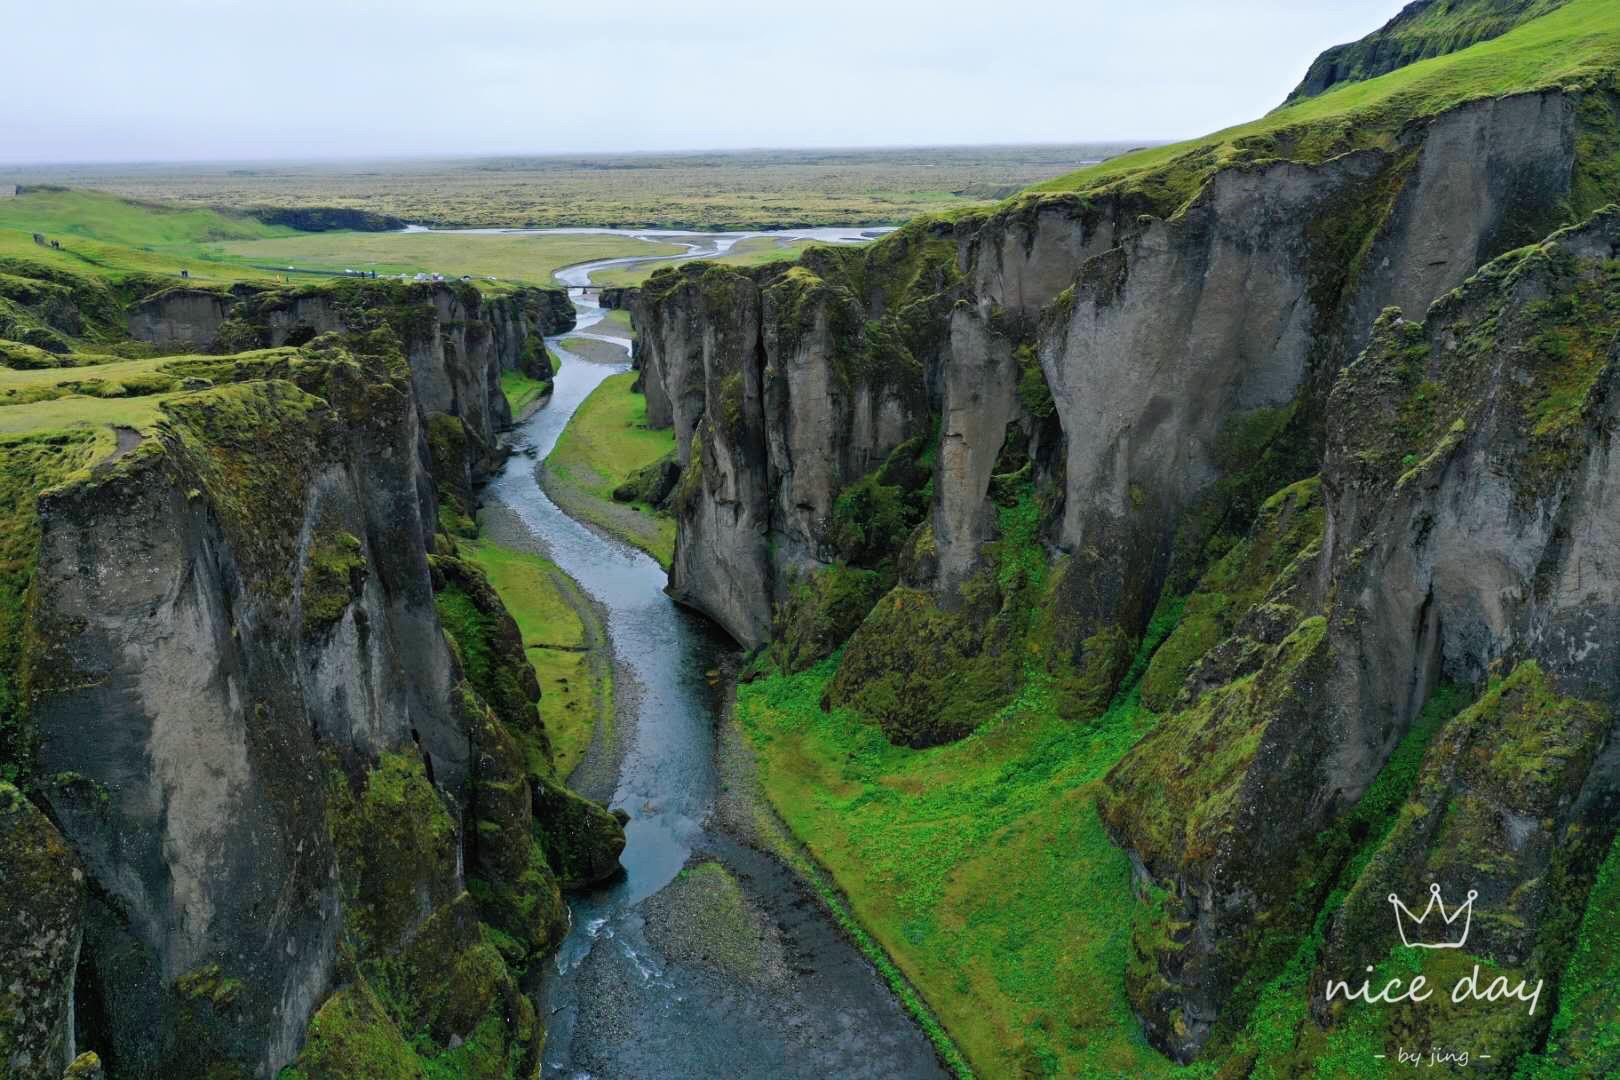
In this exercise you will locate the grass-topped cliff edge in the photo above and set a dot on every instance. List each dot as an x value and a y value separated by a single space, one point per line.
1573 47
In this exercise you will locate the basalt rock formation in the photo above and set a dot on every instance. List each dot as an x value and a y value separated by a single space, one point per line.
1146 344
1333 406
508 329
291 737
617 298
43 894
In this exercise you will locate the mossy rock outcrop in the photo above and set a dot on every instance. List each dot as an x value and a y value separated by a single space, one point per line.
489 646
86 1066
1496 823
819 615
1464 488
580 839
517 891
653 484
352 1036
42 895
1263 568
923 674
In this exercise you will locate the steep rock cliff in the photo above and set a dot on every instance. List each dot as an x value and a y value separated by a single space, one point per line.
292 755
1468 534
451 334
42 889
1130 401
1154 339
753 370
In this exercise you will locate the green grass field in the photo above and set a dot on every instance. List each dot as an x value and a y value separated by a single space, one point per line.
528 260
981 867
100 397
522 392
755 251
111 236
1576 45
605 441
96 216
564 643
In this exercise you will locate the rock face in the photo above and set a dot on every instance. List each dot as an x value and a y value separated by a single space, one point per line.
1104 408
1191 325
1153 336
183 316
262 741
1423 29
1468 532
617 298
506 331
754 372
42 894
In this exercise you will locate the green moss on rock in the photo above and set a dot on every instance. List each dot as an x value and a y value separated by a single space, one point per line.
448 441
517 893
1585 1036
580 839
872 517
351 1037
334 575
1518 751
923 674
396 845
1175 796
819 615
487 642
654 483
42 895
1287 535
86 1066
29 464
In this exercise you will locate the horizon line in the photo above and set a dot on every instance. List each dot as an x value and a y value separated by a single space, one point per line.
352 159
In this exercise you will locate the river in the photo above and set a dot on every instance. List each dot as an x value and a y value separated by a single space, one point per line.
633 992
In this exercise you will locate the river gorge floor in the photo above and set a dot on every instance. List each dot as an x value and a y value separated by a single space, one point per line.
708 956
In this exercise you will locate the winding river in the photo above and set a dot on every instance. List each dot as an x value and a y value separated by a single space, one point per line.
626 998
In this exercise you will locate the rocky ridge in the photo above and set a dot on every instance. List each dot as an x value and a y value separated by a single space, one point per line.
291 737
992 448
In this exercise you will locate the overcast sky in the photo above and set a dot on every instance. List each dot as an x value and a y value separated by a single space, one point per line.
143 80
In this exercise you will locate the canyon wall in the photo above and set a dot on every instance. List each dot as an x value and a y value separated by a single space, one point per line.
291 737
1028 430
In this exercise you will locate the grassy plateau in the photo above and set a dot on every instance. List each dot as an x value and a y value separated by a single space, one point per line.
114 237
523 259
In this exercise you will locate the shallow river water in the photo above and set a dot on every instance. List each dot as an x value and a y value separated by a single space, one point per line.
616 1006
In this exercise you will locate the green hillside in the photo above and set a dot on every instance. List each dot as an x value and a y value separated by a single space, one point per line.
1576 46
114 236
1425 29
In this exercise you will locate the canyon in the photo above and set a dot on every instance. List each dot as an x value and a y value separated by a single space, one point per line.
1128 590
